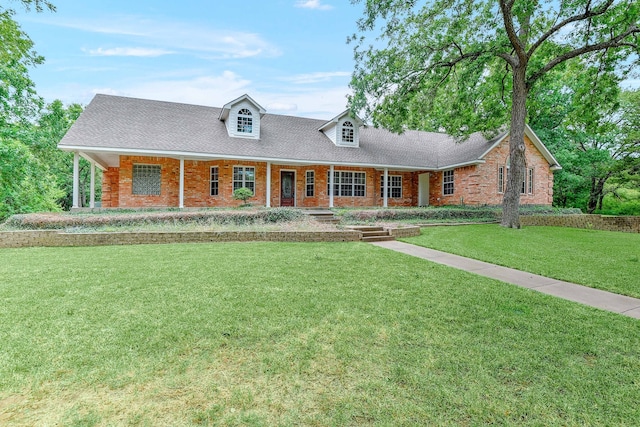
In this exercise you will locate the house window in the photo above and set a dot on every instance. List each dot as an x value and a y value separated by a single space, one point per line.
394 186
447 183
146 180
347 183
244 177
530 181
310 183
347 132
523 189
501 177
245 121
214 181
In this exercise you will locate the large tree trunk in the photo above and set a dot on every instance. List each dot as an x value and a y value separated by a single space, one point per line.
511 200
596 194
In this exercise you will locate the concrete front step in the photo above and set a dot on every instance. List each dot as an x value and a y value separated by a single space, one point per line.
372 233
322 216
386 238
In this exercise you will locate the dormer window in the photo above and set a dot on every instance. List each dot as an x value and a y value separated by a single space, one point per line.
245 121
347 133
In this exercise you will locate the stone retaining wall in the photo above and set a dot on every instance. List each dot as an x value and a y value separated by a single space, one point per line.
18 239
404 232
627 224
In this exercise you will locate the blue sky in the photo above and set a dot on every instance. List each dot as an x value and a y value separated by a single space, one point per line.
291 56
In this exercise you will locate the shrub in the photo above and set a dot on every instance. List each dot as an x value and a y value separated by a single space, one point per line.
243 194
118 219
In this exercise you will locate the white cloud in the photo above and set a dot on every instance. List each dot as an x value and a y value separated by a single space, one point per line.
316 77
281 107
313 4
128 51
202 90
177 35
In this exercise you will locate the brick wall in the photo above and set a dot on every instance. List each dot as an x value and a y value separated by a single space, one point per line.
627 224
478 185
473 185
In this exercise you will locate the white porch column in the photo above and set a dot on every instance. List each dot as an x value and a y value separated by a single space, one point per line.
181 195
331 186
92 198
268 204
76 179
386 187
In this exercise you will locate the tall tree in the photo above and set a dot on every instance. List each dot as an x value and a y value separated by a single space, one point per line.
465 65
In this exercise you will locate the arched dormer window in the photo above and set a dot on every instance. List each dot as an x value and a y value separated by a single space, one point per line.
245 121
347 133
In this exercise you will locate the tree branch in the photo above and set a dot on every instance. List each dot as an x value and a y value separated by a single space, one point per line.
614 42
587 14
505 8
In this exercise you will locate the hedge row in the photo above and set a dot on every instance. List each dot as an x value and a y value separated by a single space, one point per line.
236 217
445 213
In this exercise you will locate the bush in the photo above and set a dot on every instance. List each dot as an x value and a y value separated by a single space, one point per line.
446 213
119 219
243 194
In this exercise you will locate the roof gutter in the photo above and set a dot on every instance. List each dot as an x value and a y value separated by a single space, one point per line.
210 156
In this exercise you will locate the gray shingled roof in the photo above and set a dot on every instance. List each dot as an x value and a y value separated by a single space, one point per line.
113 124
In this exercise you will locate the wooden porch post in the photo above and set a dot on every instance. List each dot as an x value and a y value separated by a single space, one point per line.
268 204
92 197
76 180
331 186
181 195
386 187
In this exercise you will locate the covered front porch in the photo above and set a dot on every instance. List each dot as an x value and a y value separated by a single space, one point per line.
184 181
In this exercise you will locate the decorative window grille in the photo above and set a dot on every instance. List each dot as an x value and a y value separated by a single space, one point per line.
310 183
244 177
501 177
146 180
347 132
394 186
214 181
530 181
347 184
447 183
245 121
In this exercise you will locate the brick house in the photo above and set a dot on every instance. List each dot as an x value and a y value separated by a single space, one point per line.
162 154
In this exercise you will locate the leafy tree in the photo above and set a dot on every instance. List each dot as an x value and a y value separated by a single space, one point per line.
590 129
43 138
465 65
25 183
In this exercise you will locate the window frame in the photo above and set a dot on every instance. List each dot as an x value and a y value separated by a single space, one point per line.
390 186
501 178
347 133
243 181
530 178
356 185
244 121
214 184
448 182
134 175
310 184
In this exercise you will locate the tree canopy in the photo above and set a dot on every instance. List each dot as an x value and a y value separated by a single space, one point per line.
460 66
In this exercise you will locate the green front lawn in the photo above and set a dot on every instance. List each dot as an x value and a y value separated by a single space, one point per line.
600 259
297 334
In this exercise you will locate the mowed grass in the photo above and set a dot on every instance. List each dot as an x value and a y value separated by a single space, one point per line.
604 260
275 334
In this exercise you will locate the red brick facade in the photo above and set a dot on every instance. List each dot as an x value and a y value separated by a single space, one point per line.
473 185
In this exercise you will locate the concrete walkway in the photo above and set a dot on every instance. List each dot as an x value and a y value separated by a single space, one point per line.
624 305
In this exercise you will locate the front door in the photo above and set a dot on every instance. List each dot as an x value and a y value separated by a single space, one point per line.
423 189
287 188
